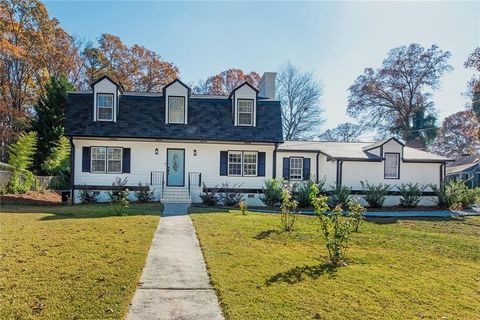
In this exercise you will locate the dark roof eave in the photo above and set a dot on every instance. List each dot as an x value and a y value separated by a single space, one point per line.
164 138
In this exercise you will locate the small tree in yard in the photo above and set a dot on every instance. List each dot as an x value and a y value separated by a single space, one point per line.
21 156
288 210
336 225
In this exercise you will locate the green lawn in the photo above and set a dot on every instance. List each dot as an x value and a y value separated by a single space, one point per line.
397 269
71 262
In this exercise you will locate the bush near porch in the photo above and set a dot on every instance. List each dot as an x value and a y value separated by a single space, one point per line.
397 269
72 262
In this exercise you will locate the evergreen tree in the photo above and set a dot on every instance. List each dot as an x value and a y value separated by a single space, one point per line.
49 117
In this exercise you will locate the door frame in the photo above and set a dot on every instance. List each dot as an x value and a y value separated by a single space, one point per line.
183 178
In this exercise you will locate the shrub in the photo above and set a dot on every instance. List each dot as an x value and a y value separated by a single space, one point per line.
88 196
356 211
231 196
271 192
20 181
288 210
209 198
20 156
455 195
119 194
375 195
145 194
58 164
337 225
339 196
411 194
243 207
301 192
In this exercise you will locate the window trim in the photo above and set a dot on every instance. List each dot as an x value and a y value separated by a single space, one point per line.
106 171
121 160
98 106
290 168
385 165
242 152
251 116
256 163
184 109
241 163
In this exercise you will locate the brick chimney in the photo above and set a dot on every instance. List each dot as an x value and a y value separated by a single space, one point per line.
266 85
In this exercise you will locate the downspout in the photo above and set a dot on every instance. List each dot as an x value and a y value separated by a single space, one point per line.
72 169
316 170
274 167
341 172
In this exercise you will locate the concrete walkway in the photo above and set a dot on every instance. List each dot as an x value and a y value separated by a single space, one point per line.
174 282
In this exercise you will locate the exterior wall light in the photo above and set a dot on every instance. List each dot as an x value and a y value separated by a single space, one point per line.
195 152
156 151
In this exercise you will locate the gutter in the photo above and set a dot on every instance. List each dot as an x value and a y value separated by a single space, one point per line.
274 167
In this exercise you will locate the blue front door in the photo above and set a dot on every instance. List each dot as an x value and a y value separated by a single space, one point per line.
175 167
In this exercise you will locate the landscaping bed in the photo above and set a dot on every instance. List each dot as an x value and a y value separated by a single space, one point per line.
72 262
46 197
416 268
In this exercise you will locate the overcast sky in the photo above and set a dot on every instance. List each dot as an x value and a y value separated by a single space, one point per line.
335 40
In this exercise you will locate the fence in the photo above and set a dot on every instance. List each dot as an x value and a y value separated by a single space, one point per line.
39 182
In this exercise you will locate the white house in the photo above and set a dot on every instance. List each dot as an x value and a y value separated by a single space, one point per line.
179 143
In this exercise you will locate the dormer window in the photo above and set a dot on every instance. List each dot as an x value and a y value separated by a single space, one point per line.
105 107
176 109
245 112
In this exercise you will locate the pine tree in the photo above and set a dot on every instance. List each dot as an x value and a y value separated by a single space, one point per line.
49 118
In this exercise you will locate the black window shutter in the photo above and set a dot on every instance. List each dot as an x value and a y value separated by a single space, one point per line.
86 159
223 163
126 160
286 168
306 168
261 164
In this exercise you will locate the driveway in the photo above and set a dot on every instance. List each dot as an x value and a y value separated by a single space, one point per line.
175 283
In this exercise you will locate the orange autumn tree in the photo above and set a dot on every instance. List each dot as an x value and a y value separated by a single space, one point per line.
224 82
136 68
33 47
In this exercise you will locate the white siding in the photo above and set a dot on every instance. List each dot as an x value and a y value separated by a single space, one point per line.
144 160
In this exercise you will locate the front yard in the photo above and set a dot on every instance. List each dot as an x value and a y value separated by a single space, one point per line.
397 269
61 262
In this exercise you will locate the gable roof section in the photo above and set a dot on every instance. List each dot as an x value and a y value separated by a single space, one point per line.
176 80
463 164
243 84
144 117
119 85
355 151
381 143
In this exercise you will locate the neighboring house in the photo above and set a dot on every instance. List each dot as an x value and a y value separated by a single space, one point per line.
465 168
180 143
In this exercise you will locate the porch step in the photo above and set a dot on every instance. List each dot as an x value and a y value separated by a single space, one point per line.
176 195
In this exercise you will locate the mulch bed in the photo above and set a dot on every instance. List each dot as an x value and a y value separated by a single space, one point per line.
47 197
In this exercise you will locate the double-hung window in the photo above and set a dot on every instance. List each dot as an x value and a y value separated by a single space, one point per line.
106 160
234 163
98 159
296 168
242 163
176 109
105 107
245 112
249 163
392 166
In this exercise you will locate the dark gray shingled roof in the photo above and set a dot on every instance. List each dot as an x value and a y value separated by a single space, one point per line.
144 117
